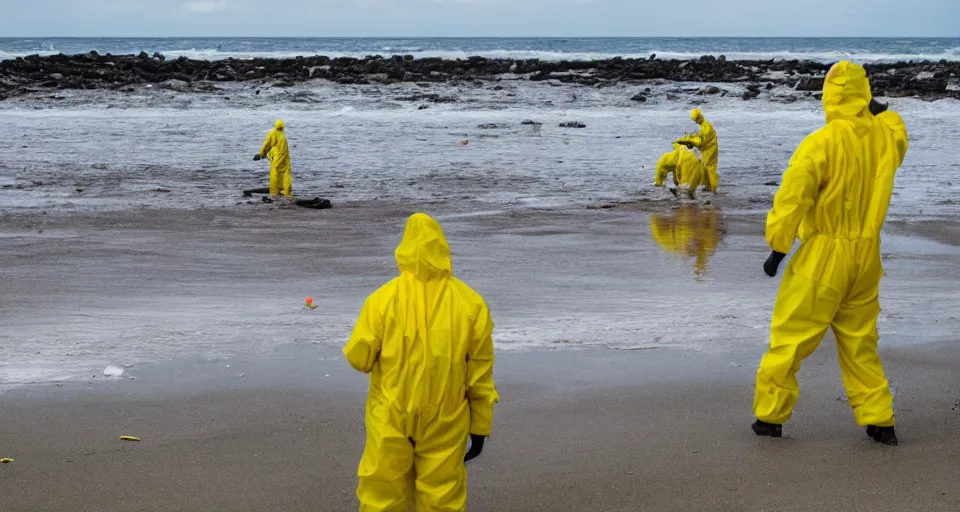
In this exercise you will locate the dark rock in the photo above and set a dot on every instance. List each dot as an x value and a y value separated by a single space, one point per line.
572 124
749 95
711 90
423 107
771 183
641 97
489 126
530 122
175 85
26 75
433 98
809 83
143 55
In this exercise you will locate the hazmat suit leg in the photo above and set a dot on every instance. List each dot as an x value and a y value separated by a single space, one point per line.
280 182
441 476
386 468
286 184
801 316
414 458
855 327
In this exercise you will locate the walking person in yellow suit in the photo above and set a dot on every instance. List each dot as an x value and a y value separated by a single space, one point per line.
275 148
425 339
834 195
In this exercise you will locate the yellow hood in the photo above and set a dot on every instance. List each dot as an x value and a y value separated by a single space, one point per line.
423 251
696 116
279 125
846 91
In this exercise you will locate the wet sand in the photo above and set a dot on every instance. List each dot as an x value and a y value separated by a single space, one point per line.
243 402
591 430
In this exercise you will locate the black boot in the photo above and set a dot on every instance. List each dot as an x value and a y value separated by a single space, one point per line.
762 428
883 435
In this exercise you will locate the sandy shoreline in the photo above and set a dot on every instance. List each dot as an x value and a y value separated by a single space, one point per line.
589 430
627 382
126 288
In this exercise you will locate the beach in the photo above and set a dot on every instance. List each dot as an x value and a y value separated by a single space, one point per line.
142 295
626 382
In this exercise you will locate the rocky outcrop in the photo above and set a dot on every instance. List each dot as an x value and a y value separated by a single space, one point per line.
927 80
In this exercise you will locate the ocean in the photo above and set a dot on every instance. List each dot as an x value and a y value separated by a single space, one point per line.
821 49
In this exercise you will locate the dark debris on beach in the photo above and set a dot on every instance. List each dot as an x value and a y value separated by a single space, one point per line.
33 74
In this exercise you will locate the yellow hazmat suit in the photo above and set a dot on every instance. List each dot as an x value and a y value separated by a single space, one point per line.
691 232
425 339
687 169
706 142
275 148
834 195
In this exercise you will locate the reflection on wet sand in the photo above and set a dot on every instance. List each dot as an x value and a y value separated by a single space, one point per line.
690 231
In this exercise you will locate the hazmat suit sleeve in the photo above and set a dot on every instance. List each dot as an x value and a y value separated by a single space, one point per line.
692 139
363 349
268 143
798 192
664 167
481 392
895 124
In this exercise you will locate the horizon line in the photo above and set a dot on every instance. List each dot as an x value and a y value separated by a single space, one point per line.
475 37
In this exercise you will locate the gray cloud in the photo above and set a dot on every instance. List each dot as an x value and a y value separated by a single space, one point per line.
411 18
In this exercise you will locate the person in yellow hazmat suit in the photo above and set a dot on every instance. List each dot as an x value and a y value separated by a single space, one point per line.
690 231
275 148
706 142
425 339
834 195
687 169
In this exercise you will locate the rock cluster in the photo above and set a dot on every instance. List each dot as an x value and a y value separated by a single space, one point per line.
927 80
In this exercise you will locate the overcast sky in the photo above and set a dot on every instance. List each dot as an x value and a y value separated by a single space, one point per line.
411 18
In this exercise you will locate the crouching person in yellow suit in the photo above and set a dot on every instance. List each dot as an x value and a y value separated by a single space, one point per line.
834 195
688 171
275 148
425 339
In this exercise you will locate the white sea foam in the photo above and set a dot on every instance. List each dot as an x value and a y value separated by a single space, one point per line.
952 54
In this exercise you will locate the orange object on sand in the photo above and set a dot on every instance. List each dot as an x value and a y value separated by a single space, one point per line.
308 303
464 142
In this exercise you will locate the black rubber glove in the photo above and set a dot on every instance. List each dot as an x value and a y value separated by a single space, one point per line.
773 262
256 157
877 108
476 446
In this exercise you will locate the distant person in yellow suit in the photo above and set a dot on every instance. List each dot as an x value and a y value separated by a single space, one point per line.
834 195
687 169
706 142
425 339
275 148
690 231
